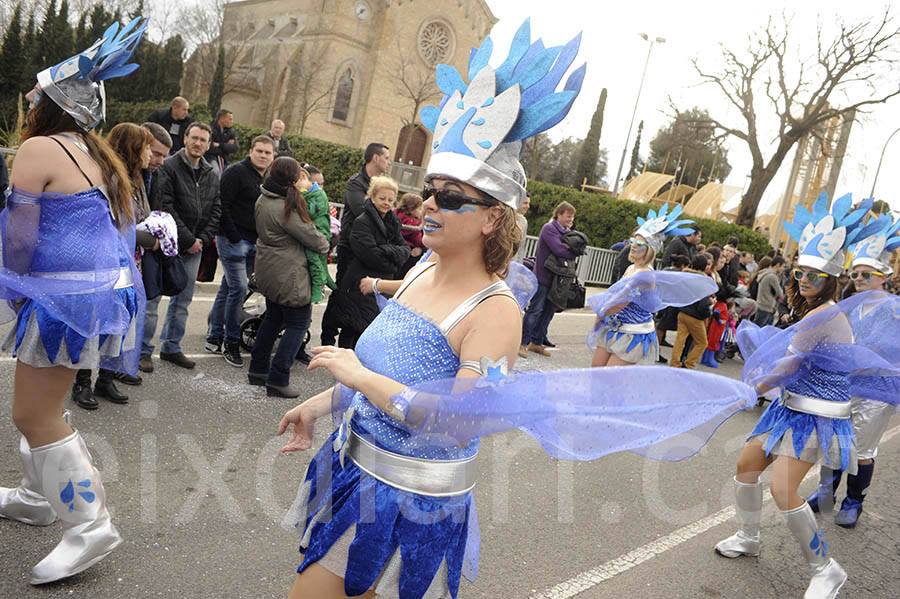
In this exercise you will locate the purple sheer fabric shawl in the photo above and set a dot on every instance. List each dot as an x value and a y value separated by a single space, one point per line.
859 336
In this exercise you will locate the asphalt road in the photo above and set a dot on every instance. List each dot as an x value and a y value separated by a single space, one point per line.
197 488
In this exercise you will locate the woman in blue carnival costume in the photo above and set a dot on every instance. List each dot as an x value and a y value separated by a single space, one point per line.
870 268
811 366
625 334
71 285
386 505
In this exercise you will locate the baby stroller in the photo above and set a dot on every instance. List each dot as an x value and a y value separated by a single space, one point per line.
252 312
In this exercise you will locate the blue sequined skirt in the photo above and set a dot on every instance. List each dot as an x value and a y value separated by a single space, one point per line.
401 541
807 437
41 340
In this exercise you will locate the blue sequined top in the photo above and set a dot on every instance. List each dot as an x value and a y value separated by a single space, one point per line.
633 314
822 384
408 348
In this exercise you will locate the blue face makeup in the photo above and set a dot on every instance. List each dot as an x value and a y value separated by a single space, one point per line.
461 209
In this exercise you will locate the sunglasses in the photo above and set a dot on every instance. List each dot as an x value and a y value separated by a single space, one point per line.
447 199
811 277
865 275
638 244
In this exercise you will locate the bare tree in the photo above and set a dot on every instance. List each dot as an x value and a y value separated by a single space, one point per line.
310 82
851 65
415 86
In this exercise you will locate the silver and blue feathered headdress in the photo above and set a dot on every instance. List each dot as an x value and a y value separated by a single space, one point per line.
478 128
875 250
822 236
657 226
76 84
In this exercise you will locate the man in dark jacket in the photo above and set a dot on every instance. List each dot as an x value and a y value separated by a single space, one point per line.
377 162
175 121
222 146
236 242
282 145
686 245
188 189
692 323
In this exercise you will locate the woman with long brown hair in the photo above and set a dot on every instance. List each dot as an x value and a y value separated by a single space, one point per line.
285 233
813 367
69 275
132 144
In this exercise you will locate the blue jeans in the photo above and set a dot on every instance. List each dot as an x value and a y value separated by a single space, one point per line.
295 322
176 315
537 317
237 260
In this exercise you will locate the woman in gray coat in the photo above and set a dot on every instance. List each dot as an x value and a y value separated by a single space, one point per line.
285 232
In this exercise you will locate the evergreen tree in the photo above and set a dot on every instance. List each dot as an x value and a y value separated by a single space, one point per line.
217 89
30 50
11 55
636 153
589 152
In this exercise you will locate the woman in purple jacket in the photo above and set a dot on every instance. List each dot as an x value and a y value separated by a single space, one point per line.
540 311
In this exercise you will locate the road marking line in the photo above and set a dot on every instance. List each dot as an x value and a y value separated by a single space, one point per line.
593 577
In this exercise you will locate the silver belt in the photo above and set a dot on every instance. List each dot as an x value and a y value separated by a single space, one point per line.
816 406
125 278
634 328
435 478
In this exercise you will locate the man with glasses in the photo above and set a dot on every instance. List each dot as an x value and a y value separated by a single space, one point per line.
769 291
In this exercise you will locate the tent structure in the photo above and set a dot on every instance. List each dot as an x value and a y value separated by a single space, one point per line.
645 186
711 200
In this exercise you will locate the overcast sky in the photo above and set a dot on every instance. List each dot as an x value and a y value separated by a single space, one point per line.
615 55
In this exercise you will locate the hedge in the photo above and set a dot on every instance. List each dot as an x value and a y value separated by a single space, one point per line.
336 161
135 112
606 220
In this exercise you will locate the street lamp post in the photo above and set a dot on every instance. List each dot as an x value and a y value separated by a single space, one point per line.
880 160
659 40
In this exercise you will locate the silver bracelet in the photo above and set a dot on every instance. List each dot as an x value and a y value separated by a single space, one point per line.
375 285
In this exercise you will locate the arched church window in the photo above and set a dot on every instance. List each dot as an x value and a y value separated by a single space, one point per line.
342 98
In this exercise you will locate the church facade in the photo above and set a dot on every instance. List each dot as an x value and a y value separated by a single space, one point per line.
346 71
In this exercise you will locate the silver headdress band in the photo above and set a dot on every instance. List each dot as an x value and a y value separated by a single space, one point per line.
875 250
823 235
76 84
478 128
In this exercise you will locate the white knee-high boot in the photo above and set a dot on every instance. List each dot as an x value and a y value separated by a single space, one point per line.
25 502
748 510
71 484
827 575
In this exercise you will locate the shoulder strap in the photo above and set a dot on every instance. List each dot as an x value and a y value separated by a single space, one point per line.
414 273
461 311
75 162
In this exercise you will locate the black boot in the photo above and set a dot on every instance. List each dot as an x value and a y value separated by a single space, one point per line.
852 507
232 353
81 391
106 387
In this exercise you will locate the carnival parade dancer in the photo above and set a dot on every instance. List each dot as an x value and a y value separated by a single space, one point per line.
812 365
70 283
870 268
624 333
386 505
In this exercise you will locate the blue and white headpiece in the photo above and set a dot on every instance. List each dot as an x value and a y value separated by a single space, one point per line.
478 128
76 84
875 250
822 236
656 227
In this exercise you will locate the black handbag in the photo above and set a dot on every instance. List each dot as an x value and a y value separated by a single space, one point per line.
163 275
576 296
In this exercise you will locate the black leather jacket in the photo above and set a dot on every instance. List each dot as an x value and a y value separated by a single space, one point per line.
191 197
